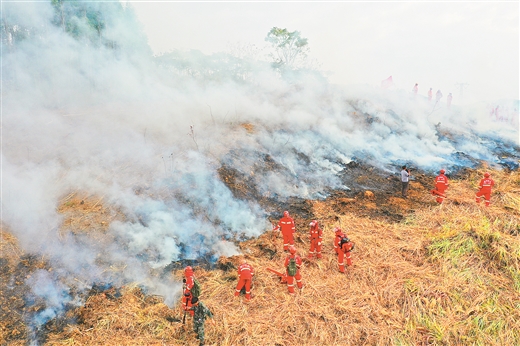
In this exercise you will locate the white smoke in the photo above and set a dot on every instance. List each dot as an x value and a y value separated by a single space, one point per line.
103 115
54 294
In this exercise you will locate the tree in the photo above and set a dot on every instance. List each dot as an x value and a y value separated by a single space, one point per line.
290 48
84 20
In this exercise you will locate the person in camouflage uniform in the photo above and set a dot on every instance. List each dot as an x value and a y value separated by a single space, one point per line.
200 313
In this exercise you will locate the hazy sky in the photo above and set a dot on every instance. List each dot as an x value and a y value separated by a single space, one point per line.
435 44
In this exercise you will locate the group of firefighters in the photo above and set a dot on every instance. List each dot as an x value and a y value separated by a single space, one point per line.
293 262
438 95
441 185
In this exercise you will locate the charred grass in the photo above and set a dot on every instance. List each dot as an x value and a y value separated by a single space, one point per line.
435 275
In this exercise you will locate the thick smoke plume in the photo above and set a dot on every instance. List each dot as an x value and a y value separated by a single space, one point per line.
86 107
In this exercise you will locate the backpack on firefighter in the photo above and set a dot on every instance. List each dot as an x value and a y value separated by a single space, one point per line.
291 268
195 290
345 240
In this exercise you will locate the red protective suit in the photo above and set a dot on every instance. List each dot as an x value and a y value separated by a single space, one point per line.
245 276
387 83
316 237
188 285
298 277
441 185
339 234
186 302
189 276
189 279
344 252
485 189
287 227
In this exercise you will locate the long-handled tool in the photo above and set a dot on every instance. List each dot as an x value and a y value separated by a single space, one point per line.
438 193
187 300
283 277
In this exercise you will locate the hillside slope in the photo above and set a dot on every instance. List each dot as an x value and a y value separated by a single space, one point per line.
441 275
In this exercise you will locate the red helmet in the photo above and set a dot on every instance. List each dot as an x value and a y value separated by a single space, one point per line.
443 171
188 270
286 213
314 223
487 175
292 249
337 229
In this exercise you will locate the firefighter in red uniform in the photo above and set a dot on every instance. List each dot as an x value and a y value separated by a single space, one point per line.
338 235
448 100
245 277
430 94
287 227
190 278
441 185
292 264
316 238
485 188
189 281
345 246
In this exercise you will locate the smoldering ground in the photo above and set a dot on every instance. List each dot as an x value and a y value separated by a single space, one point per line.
91 109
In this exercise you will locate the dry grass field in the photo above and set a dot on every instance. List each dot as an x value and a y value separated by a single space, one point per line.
440 275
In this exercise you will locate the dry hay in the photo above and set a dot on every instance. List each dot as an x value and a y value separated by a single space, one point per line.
15 268
332 308
84 213
441 276
129 318
11 323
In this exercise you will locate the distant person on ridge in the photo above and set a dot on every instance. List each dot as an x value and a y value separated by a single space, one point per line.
438 96
387 83
441 185
415 89
287 227
405 174
316 237
430 94
448 100
485 189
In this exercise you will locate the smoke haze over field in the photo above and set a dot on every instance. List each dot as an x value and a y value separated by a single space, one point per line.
437 44
87 107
